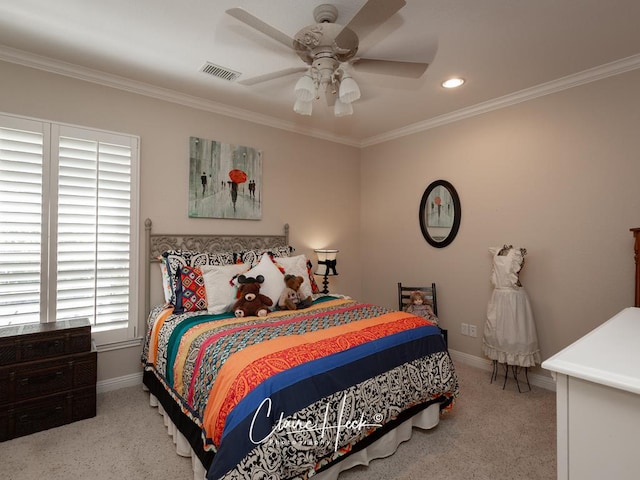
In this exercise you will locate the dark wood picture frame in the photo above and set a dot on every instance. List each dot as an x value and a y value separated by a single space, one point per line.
441 200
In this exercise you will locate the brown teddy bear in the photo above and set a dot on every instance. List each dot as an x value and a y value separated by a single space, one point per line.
291 297
251 301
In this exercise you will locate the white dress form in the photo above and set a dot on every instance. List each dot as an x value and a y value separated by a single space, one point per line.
510 333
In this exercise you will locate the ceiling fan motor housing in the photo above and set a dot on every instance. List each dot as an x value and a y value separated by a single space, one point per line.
321 38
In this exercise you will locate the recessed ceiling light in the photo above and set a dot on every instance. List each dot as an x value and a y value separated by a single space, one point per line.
453 82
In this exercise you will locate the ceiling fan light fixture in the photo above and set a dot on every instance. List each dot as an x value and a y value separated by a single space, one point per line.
303 108
342 109
329 50
349 90
305 89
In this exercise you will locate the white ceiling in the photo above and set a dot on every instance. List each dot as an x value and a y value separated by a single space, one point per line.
503 48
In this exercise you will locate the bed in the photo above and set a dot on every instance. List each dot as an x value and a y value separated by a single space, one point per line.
296 394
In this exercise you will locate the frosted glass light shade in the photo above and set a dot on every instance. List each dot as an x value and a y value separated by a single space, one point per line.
303 108
305 89
341 109
349 90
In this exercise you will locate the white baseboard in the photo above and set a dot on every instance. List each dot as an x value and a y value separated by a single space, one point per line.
541 381
119 382
536 379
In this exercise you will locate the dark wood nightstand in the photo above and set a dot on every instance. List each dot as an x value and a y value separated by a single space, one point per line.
47 376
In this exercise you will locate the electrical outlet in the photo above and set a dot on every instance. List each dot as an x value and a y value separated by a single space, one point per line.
464 329
472 331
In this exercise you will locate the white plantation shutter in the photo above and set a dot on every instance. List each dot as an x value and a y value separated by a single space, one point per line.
92 252
22 150
94 231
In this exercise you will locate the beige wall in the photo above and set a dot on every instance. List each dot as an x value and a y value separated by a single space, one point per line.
311 184
558 175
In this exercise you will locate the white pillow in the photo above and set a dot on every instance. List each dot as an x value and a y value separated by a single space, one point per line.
273 278
297 266
221 294
166 282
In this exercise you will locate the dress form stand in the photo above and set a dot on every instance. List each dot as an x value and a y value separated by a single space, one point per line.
510 336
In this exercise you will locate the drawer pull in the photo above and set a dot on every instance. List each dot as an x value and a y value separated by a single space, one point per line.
41 378
27 417
54 344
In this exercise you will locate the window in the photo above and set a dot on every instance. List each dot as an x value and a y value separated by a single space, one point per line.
68 226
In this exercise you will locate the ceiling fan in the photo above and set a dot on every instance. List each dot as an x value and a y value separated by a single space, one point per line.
329 50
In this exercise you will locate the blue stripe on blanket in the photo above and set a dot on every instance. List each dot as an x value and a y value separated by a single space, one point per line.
296 388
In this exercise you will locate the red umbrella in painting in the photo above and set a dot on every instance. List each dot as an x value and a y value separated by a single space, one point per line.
438 202
237 176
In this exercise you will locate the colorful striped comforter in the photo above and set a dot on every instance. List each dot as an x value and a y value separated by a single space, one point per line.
282 396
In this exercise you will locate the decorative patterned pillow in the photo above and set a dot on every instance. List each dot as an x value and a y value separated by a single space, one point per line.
221 293
312 280
253 257
273 278
191 295
174 259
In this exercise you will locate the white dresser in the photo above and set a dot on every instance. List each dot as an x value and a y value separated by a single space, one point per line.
598 401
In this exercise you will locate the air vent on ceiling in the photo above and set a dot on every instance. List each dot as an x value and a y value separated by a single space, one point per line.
220 72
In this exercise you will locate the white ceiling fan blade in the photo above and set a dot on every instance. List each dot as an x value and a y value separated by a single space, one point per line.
272 76
254 22
390 67
369 17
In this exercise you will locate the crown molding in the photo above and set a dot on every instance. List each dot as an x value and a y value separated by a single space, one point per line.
121 83
587 76
27 59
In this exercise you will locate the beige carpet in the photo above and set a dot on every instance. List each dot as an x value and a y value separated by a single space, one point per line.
492 434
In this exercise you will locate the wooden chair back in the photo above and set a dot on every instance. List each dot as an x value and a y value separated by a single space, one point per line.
404 292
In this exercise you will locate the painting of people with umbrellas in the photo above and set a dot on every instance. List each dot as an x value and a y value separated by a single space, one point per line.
225 180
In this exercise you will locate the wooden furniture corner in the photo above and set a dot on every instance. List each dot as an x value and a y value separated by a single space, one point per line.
47 376
636 235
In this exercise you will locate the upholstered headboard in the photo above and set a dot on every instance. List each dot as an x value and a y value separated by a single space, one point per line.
157 243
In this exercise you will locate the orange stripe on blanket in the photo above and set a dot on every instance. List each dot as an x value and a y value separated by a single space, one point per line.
155 334
195 331
242 373
189 337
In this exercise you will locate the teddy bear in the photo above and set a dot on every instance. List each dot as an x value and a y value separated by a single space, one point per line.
292 298
421 306
251 302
